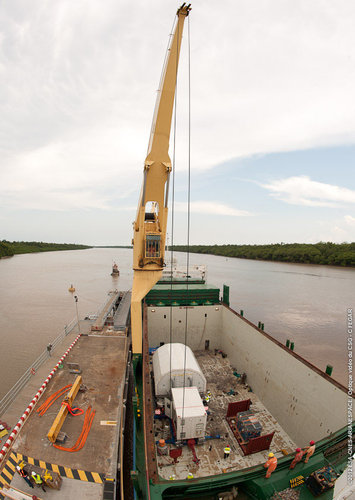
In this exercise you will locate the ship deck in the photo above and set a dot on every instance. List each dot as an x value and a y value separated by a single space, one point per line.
220 381
102 358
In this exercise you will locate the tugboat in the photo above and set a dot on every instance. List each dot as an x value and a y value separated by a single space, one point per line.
115 270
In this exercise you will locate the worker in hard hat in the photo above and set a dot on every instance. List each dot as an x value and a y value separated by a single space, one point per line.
227 451
24 474
38 480
270 465
190 475
310 450
298 457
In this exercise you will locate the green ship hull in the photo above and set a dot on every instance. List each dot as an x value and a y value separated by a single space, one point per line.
250 482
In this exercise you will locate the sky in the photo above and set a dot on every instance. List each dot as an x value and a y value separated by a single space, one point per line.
272 119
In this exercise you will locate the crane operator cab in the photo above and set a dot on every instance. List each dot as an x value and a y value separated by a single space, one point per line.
152 253
152 246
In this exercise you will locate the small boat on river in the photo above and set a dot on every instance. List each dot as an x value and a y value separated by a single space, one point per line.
115 270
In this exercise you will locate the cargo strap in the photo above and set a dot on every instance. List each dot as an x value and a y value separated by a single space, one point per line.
73 411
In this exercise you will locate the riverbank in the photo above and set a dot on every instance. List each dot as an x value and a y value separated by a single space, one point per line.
11 248
329 254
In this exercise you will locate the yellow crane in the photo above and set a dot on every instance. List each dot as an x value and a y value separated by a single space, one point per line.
152 212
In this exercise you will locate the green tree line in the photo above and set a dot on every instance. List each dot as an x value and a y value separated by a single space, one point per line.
342 254
9 248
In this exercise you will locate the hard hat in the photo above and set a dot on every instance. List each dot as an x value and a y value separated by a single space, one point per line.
18 468
298 449
271 455
33 474
312 442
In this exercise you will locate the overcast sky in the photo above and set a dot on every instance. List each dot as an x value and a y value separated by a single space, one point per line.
273 118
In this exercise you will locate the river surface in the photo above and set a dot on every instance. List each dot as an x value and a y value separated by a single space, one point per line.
304 303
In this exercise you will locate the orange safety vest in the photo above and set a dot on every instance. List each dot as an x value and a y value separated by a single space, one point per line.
271 464
310 450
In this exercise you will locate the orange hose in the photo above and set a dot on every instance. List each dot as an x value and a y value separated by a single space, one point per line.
49 401
89 417
73 411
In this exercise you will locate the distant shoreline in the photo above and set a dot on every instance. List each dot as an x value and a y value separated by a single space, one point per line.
325 254
112 246
11 248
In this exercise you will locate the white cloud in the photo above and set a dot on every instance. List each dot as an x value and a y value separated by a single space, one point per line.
270 75
52 200
349 220
210 207
303 191
78 83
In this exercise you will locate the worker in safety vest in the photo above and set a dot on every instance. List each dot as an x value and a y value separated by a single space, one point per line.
227 451
310 450
172 477
24 474
190 475
38 480
298 458
270 465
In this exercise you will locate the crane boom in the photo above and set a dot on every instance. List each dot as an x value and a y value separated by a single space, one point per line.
152 212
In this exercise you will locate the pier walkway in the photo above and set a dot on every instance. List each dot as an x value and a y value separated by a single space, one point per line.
107 308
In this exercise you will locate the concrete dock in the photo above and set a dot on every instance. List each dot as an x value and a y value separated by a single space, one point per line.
88 472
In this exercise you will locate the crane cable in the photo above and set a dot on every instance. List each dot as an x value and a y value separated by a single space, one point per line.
173 215
188 209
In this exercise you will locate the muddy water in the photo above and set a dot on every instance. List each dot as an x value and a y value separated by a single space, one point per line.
306 304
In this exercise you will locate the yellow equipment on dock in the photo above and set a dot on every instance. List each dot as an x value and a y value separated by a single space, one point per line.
63 412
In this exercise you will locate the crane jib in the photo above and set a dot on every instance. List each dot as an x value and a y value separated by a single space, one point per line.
150 226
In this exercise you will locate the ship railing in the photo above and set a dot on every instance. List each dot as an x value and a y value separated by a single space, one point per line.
7 400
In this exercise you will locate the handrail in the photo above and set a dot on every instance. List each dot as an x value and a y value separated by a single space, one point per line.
23 380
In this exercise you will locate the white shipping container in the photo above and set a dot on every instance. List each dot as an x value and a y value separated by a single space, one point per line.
189 414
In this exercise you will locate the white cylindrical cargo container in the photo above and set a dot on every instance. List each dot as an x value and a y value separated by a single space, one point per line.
166 366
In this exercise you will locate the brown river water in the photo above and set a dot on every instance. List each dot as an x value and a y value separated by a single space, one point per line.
304 303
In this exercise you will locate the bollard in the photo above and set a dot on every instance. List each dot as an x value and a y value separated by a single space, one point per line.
292 346
259 324
242 312
262 326
287 343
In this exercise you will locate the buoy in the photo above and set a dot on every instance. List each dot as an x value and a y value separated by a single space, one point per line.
71 289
